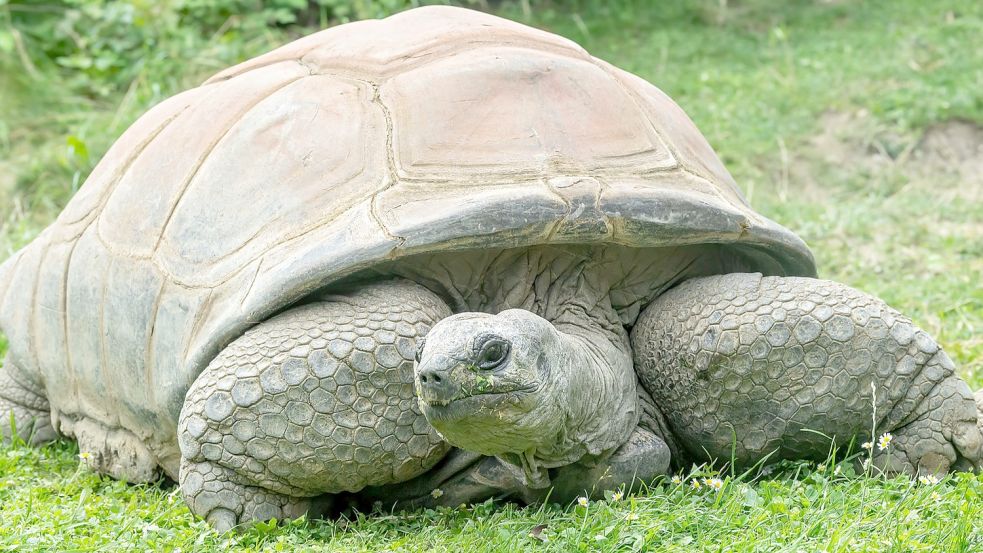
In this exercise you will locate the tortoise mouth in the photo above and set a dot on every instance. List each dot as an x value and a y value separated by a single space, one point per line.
482 404
464 399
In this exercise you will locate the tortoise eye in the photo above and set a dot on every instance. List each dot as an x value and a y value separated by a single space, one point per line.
493 353
419 348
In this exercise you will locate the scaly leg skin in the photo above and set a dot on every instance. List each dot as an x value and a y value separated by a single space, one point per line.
461 478
746 366
642 459
317 400
465 477
23 408
639 461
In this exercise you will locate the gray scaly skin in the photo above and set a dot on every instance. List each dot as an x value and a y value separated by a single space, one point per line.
746 364
264 432
319 400
316 400
743 367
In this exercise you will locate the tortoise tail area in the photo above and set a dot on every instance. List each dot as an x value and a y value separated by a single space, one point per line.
979 413
24 410
18 288
9 300
6 275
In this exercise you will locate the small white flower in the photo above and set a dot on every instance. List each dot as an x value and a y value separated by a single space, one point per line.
695 484
821 467
936 496
868 446
437 493
928 480
616 496
714 483
582 501
676 479
85 456
884 441
632 516
148 528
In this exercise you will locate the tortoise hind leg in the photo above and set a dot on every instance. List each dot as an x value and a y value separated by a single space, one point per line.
317 400
941 433
747 366
23 408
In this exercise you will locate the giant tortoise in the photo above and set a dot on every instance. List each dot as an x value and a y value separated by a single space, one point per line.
433 259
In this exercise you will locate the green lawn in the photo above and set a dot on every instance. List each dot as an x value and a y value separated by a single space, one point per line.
852 123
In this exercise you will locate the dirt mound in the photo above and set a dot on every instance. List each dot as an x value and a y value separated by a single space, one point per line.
954 147
956 141
849 142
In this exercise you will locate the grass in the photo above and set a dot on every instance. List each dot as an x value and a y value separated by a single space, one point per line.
58 506
835 117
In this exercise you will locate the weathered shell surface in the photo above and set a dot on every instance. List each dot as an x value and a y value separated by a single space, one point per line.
436 129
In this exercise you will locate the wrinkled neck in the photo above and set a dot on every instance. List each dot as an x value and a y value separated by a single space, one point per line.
592 384
592 375
601 397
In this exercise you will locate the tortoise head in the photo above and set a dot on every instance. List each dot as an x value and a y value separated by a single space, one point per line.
489 384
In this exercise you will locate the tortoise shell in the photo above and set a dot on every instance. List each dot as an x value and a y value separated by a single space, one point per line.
436 129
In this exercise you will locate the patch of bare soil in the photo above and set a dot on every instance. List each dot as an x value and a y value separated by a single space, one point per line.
954 147
854 143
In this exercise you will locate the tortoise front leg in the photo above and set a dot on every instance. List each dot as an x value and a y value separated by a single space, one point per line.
315 401
745 365
460 478
640 461
465 477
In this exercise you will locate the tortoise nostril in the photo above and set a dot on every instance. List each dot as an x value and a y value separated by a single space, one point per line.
433 379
